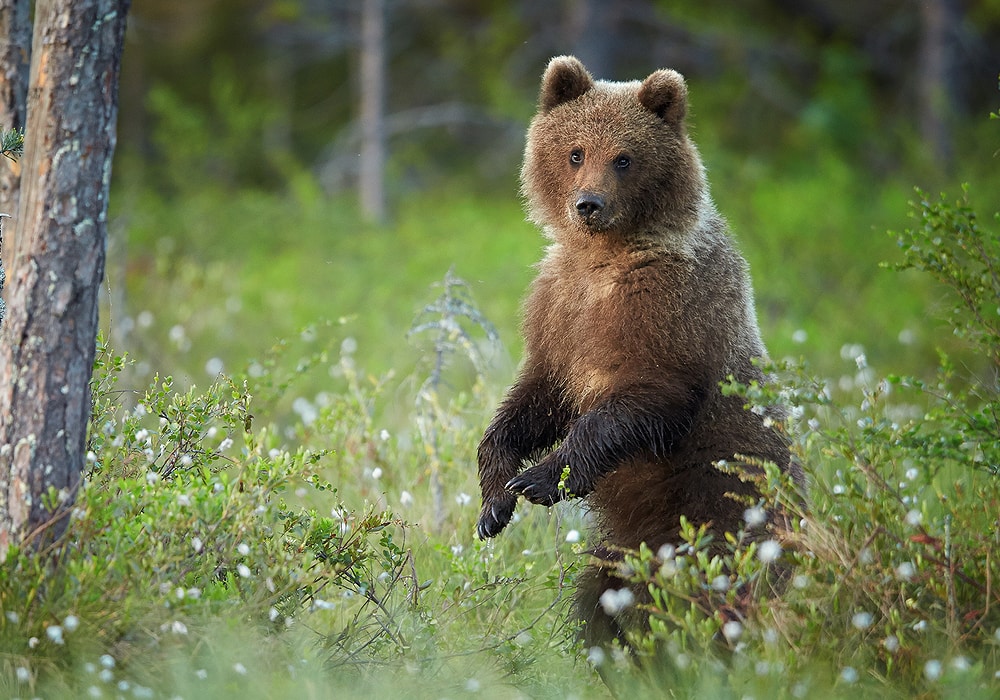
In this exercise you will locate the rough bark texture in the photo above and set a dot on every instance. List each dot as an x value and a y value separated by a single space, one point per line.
47 341
15 53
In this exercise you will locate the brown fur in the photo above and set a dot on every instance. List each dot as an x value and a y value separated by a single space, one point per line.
640 309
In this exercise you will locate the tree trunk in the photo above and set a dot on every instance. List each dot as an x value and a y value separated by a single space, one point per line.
15 52
371 182
47 341
938 19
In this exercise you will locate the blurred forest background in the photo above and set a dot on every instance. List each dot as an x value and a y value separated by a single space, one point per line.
281 162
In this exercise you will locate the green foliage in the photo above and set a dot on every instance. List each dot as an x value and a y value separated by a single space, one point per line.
12 143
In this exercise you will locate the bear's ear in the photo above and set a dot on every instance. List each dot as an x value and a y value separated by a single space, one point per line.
565 79
664 93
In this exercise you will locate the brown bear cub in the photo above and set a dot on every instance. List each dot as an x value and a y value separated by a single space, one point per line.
641 308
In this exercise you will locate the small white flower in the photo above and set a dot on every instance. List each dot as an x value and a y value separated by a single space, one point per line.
839 489
377 473
152 477
107 661
961 663
912 473
932 670
243 548
71 623
94 692
905 571
732 630
272 614
406 498
755 517
194 593
183 500
201 674
800 336
849 675
225 444
456 549
243 570
862 620
240 668
666 552
769 551
463 499
142 435
914 517
32 642
13 617
720 583
196 544
54 633
106 675
920 625
472 685
23 674
573 536
596 656
214 366
614 601
383 435
178 627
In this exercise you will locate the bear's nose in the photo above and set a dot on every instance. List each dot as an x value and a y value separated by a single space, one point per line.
589 204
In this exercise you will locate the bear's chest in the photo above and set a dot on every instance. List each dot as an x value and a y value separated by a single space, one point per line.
600 325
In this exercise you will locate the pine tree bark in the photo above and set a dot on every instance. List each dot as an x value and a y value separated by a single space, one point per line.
47 342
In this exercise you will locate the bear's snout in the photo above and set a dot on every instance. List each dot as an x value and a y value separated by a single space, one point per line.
588 204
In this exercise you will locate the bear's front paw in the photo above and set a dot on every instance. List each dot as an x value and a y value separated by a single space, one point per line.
539 484
495 515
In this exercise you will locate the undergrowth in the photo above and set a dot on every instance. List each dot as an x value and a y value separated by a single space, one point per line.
304 528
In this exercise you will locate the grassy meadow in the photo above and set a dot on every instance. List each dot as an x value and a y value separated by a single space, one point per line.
281 488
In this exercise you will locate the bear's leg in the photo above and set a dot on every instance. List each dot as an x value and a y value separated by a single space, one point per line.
532 418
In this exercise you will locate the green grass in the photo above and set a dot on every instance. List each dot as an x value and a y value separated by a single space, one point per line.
334 511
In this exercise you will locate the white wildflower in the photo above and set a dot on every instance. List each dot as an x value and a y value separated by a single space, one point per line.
573 536
914 517
183 500
732 630
755 516
196 544
243 570
71 623
243 548
614 601
240 668
596 656
769 551
862 620
720 583
23 674
849 674
178 627
891 643
214 366
905 571
932 670
463 499
377 473
201 674
406 498
54 633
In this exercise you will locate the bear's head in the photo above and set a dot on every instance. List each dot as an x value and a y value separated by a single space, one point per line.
612 159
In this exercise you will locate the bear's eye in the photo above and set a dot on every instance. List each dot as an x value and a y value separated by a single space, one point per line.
576 156
623 162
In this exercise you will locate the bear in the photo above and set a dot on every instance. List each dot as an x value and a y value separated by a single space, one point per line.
641 308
